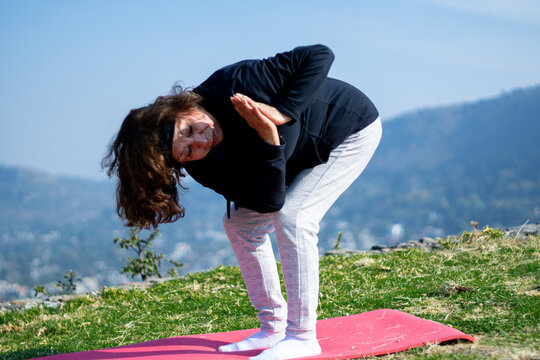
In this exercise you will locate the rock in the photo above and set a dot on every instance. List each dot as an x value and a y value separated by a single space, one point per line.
344 252
430 243
52 304
409 244
425 243
523 231
55 301
404 245
20 304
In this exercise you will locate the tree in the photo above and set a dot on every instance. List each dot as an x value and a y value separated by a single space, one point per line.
68 286
147 262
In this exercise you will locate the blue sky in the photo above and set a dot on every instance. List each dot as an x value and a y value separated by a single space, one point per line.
71 70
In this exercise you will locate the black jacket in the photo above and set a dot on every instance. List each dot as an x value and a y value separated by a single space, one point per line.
324 111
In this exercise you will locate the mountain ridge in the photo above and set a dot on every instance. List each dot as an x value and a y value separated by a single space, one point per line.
436 169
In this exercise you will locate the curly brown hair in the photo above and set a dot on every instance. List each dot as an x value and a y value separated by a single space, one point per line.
148 176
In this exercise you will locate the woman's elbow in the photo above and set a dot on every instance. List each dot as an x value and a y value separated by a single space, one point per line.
272 206
324 50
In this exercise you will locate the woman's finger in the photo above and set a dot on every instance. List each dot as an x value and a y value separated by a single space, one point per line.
249 110
260 115
247 104
240 101
247 114
236 99
249 100
245 98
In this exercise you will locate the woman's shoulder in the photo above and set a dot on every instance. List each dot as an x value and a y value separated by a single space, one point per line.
342 94
222 76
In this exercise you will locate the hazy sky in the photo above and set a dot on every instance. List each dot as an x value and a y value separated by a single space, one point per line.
71 70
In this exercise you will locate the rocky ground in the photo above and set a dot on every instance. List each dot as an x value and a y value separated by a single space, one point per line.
426 243
429 244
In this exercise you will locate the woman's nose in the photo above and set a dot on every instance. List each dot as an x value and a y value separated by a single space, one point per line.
198 139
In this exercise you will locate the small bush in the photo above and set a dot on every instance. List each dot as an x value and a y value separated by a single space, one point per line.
147 262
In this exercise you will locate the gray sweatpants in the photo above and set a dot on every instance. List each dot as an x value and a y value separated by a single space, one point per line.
296 225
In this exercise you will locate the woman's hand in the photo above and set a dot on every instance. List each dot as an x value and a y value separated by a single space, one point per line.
258 119
276 116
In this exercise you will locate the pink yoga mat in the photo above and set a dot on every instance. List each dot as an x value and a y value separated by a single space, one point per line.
375 332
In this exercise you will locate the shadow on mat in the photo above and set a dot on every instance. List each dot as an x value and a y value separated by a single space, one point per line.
144 349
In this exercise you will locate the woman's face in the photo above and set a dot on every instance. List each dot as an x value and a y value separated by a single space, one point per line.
195 134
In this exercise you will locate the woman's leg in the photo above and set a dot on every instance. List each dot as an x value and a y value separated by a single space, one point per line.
308 198
248 234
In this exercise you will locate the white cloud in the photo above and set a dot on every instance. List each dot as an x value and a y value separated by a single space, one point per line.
180 250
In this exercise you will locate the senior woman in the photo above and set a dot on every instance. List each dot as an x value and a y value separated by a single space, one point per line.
278 139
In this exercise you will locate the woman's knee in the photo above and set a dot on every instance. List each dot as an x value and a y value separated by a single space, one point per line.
294 219
286 216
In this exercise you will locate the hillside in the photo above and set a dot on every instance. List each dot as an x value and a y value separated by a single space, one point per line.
482 283
49 225
435 171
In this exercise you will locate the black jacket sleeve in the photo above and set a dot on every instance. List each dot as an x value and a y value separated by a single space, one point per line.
261 184
250 178
287 81
305 69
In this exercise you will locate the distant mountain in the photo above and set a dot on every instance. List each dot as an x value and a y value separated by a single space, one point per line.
435 170
49 225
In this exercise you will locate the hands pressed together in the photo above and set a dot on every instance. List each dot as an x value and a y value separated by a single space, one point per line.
261 117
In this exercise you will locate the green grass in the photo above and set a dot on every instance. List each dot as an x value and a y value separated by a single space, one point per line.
499 279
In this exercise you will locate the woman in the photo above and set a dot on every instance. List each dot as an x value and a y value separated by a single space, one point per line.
280 140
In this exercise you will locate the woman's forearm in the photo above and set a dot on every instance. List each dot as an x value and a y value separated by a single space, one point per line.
269 134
